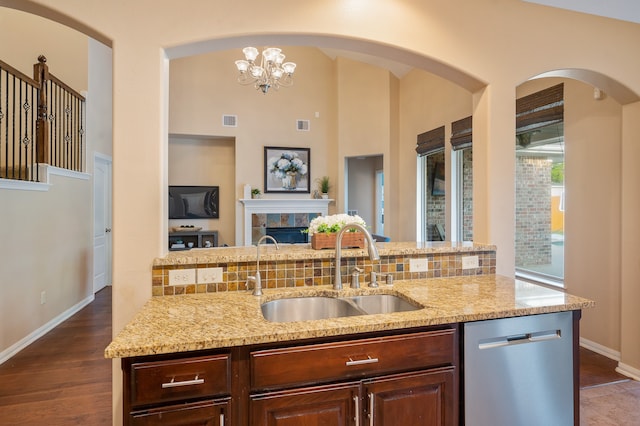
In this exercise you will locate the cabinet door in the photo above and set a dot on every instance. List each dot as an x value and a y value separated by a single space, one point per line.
334 405
205 413
423 398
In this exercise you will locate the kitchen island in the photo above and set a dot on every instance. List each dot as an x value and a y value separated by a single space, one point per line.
212 357
219 320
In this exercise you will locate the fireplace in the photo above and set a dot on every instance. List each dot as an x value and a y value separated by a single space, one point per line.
289 235
291 212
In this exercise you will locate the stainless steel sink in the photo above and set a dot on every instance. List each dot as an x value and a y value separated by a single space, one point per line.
317 307
308 308
383 304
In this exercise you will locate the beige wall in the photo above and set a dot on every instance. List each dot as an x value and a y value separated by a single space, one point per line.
630 262
483 49
27 36
206 161
201 93
46 246
426 102
46 236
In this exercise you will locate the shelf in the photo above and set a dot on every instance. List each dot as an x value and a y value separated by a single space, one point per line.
198 238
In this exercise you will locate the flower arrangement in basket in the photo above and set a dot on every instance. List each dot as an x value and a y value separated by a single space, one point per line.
287 167
324 229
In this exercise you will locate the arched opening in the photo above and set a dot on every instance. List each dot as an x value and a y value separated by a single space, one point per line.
582 158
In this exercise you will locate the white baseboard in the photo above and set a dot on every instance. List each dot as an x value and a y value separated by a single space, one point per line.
38 333
629 371
599 349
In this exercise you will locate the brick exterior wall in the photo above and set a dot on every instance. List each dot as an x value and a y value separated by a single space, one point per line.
533 211
467 194
436 204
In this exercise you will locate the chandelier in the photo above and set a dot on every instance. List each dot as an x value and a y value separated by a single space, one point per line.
271 72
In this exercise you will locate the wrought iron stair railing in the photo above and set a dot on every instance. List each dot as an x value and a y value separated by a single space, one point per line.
42 121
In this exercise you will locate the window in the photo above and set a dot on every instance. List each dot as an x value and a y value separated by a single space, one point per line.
461 144
539 248
464 219
431 186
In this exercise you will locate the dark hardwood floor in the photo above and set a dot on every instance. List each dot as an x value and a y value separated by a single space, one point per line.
63 377
596 370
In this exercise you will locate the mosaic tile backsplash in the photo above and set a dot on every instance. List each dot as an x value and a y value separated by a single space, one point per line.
311 272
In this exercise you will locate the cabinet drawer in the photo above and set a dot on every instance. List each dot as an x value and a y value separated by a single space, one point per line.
274 368
209 413
163 381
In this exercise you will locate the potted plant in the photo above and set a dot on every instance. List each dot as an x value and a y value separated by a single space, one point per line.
255 193
324 186
323 231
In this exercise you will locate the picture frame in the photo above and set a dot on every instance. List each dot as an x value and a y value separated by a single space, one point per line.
287 170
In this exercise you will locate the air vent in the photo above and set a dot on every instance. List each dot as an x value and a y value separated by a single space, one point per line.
303 125
230 121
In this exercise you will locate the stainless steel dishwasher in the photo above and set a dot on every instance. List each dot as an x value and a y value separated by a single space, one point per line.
519 371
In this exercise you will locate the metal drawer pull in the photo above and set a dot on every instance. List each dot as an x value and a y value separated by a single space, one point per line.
173 384
357 406
369 360
221 419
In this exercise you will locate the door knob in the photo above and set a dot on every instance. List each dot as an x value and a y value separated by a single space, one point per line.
107 229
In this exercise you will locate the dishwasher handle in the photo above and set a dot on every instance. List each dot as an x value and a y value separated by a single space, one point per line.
518 339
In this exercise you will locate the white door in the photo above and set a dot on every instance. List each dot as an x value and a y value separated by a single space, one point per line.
101 222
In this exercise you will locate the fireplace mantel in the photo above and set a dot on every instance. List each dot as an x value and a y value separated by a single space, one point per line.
280 205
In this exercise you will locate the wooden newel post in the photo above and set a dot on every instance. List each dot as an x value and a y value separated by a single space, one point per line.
41 75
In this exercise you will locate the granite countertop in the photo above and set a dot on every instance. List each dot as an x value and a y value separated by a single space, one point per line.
216 320
304 251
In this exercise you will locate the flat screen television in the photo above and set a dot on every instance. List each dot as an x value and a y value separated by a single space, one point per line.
194 202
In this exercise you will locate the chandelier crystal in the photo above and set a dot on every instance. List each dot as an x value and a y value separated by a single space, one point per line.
271 72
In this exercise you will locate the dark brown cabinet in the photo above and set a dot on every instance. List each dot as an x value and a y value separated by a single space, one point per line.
389 378
187 390
203 413
320 405
402 379
422 398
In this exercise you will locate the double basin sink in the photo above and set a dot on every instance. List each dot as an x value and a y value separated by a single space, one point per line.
323 307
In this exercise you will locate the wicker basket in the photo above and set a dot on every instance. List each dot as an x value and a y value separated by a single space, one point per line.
321 240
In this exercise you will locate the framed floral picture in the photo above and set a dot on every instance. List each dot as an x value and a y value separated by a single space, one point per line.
286 170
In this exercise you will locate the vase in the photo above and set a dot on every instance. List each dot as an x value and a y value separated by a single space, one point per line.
289 181
322 240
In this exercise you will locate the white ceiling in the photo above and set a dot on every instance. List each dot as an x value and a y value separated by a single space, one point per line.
625 10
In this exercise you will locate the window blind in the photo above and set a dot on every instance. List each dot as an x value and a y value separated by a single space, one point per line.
461 133
430 142
540 109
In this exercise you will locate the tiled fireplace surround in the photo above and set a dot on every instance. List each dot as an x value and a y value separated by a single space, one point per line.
260 214
261 221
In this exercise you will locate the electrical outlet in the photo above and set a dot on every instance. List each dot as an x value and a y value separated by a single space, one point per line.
470 262
182 276
209 275
43 297
418 265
